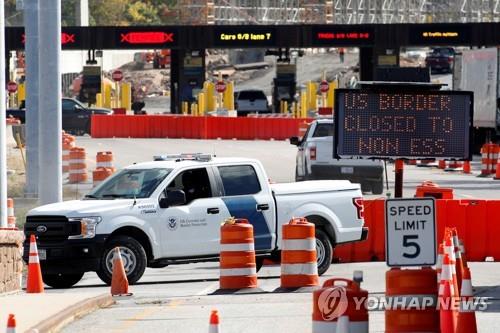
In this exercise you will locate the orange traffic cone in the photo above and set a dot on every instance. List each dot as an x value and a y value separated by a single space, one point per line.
449 249
439 263
119 281
213 326
442 164
459 267
11 324
466 317
35 283
446 315
466 168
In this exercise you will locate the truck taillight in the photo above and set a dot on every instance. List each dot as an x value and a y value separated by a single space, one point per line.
312 153
450 60
358 203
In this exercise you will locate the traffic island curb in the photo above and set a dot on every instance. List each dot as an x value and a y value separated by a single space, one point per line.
66 316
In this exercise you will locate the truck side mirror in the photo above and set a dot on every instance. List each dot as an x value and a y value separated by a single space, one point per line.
174 198
294 140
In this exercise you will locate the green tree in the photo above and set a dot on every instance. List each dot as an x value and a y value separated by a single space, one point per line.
108 12
142 13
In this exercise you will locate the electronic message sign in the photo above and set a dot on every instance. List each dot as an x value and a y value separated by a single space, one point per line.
339 35
154 37
402 124
241 36
442 34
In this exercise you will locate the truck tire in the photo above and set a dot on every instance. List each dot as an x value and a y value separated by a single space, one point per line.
61 281
378 187
133 256
324 251
366 187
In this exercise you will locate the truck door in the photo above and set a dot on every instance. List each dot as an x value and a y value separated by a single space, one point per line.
301 152
192 229
245 197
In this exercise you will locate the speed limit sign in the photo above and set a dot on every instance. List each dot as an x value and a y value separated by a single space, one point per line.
410 232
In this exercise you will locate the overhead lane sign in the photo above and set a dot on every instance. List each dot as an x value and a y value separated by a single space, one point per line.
402 124
241 36
410 232
342 35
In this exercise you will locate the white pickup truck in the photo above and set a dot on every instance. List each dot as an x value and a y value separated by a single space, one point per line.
169 211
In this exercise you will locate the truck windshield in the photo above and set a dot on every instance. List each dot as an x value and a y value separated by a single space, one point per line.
130 183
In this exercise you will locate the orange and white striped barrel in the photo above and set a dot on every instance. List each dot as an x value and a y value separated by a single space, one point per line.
100 174
411 296
334 301
77 165
66 147
104 159
489 158
298 256
237 255
11 217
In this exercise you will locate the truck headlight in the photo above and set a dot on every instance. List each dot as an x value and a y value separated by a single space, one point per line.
88 226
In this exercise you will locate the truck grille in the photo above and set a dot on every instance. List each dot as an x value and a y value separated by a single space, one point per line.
58 228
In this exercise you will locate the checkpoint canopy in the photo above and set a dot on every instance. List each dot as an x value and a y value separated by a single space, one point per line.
412 121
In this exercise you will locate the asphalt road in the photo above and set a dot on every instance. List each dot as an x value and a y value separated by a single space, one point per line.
179 298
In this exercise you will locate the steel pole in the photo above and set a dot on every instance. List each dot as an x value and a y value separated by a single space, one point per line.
50 166
32 107
3 111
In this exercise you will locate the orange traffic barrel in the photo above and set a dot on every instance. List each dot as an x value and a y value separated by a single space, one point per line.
77 165
336 299
66 147
298 256
411 296
100 174
237 255
430 189
489 158
104 159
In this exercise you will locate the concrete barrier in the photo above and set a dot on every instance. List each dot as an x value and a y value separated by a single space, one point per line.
11 262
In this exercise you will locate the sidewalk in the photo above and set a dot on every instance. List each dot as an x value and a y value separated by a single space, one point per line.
49 310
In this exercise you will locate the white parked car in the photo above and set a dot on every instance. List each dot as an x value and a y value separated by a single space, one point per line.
169 211
315 160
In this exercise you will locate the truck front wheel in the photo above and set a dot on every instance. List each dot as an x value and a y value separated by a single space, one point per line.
133 256
324 251
61 281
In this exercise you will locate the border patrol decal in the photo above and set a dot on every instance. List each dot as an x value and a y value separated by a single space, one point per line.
172 223
245 207
148 211
146 206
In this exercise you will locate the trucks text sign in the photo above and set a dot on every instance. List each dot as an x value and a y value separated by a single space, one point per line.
402 123
410 232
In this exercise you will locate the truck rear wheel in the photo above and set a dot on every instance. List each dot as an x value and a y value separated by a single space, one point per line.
324 251
61 281
133 256
378 187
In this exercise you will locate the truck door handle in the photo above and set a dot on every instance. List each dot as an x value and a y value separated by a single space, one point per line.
261 207
213 210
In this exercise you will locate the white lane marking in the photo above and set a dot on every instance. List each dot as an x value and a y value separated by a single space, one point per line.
211 288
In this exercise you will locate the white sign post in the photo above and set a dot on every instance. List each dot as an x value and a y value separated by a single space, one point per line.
410 232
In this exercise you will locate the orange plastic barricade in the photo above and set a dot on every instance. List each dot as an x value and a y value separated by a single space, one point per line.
298 255
237 255
334 301
411 296
77 165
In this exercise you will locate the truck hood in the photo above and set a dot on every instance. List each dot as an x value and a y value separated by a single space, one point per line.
314 186
78 208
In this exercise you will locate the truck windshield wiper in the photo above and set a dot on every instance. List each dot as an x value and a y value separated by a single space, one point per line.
90 196
113 196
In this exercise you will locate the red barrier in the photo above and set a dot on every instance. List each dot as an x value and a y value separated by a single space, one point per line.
188 127
476 222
